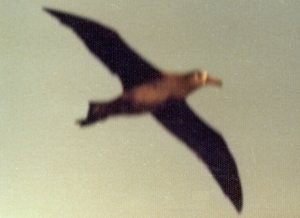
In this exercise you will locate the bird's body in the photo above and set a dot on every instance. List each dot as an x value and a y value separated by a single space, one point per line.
149 96
158 91
142 98
170 86
146 89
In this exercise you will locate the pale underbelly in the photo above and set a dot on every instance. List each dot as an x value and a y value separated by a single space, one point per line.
151 97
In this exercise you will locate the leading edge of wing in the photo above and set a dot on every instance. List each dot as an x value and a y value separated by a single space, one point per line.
106 44
209 146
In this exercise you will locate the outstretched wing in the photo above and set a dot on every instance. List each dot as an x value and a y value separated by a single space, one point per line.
111 49
209 146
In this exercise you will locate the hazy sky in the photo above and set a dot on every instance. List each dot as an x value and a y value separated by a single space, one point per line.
131 166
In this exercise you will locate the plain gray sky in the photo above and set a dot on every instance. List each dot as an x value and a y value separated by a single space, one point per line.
131 166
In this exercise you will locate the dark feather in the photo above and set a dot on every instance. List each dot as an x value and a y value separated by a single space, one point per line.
111 49
209 146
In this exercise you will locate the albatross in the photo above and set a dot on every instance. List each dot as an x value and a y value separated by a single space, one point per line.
148 89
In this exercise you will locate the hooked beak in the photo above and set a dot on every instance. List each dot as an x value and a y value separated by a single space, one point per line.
209 80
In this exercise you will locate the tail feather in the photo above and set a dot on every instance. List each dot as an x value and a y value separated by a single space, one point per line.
97 111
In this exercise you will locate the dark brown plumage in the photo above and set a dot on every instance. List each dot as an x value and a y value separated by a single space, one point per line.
147 89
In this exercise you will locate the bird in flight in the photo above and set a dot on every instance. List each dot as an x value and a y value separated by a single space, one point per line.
147 89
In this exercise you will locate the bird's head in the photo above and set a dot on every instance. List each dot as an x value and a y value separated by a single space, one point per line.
201 78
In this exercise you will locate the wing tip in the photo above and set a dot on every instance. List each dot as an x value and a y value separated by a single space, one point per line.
237 199
61 15
238 206
53 12
49 10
